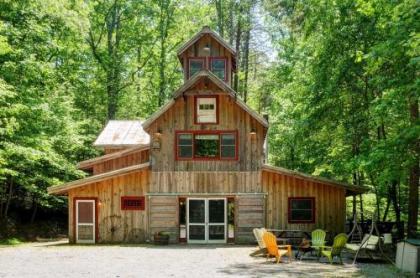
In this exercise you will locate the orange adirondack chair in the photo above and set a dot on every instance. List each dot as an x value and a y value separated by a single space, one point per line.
276 250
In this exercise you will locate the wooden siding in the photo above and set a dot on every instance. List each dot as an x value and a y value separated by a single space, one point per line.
330 210
133 158
250 214
206 182
216 50
164 216
231 117
115 225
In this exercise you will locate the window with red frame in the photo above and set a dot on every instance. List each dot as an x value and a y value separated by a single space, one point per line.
195 65
132 203
199 145
302 210
218 67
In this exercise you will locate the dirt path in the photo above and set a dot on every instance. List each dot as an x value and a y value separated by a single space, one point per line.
59 259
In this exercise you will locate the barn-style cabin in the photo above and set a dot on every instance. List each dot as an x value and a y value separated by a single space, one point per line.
196 169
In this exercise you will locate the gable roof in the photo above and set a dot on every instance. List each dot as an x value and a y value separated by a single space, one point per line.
206 31
191 82
63 188
86 164
350 189
122 134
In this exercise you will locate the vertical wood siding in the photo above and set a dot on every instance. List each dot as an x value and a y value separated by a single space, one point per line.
132 158
330 202
231 117
114 224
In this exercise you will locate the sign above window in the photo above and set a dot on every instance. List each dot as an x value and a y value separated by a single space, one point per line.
206 110
132 203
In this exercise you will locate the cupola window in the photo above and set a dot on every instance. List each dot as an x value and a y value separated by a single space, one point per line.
195 65
218 67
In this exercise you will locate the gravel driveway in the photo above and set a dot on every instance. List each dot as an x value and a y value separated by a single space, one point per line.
59 259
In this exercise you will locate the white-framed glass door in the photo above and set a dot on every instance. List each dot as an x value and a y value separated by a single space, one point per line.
206 219
85 221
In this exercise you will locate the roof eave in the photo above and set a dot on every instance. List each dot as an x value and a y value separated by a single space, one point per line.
64 188
350 189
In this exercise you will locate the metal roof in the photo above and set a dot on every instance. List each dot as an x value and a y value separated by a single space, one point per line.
122 134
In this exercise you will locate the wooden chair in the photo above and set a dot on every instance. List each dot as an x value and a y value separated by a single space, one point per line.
275 250
261 249
318 240
335 251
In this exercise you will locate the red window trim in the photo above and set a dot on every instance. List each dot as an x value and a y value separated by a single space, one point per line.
96 216
142 202
289 210
196 109
196 58
198 132
219 58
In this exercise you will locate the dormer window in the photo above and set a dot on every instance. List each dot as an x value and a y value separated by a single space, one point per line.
195 65
218 67
206 111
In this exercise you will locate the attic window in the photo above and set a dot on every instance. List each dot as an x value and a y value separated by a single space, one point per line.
206 110
195 65
218 67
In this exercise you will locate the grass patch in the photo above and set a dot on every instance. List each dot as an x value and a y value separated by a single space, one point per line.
11 241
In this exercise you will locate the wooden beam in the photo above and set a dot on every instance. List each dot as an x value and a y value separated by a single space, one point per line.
60 189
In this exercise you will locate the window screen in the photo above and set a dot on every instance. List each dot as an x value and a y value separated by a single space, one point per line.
301 210
206 146
218 67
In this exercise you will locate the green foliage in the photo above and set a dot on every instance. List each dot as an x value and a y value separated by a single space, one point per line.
346 75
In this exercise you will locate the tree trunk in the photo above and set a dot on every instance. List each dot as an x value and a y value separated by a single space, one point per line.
220 21
413 191
396 205
388 204
237 47
34 210
362 217
9 198
246 62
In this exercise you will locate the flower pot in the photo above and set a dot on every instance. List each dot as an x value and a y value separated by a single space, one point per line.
161 239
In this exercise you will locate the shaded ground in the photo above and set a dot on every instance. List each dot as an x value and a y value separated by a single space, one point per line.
59 259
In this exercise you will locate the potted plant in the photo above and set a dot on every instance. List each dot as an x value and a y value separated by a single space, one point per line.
161 238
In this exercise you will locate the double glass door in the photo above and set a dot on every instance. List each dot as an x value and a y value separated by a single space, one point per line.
206 219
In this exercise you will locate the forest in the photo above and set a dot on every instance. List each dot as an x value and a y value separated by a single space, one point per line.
338 79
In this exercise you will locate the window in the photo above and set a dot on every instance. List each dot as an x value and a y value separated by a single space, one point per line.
201 145
228 145
132 203
195 65
206 145
206 110
302 210
218 67
185 145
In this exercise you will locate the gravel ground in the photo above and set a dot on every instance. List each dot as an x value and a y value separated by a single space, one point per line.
58 259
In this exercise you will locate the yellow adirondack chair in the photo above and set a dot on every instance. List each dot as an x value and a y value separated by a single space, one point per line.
335 251
276 250
318 240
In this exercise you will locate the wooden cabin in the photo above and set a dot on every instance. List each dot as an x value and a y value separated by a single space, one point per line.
196 169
